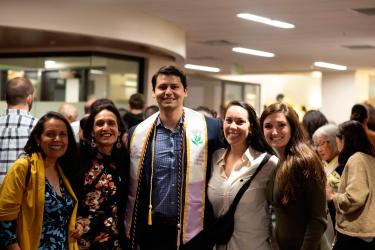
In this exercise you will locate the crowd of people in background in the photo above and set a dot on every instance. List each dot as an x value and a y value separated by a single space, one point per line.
156 177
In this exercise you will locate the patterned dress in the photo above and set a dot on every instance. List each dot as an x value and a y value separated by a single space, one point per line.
57 211
99 208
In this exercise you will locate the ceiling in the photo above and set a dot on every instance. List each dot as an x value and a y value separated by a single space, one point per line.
323 30
326 30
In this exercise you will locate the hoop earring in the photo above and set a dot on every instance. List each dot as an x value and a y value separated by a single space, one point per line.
118 144
93 143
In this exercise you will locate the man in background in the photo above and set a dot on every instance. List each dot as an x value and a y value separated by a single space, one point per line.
135 114
69 110
16 123
360 114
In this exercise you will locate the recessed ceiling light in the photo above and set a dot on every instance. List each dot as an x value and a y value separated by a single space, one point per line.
253 52
202 68
96 72
49 63
266 20
330 66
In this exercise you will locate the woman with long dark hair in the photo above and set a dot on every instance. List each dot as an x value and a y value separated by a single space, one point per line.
37 204
297 189
354 200
100 180
232 167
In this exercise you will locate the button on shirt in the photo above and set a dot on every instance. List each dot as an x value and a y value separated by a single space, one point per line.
15 128
252 218
165 180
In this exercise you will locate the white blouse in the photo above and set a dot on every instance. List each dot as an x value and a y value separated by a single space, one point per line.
252 218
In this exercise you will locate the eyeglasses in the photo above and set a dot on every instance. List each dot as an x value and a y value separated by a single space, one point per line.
321 144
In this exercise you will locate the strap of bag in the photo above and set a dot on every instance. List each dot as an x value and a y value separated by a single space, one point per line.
245 186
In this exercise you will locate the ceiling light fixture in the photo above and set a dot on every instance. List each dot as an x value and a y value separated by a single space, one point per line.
253 52
330 66
202 68
265 20
49 63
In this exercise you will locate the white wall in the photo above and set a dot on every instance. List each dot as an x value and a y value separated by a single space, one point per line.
299 89
338 94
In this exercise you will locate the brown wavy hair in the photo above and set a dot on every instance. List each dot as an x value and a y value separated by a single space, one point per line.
301 163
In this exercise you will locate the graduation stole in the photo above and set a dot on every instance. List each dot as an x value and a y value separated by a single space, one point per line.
192 209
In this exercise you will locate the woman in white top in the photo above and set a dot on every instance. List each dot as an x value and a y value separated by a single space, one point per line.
232 167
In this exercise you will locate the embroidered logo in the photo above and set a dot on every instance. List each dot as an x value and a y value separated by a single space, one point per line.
196 137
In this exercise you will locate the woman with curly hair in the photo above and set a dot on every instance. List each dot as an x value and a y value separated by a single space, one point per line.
101 179
297 189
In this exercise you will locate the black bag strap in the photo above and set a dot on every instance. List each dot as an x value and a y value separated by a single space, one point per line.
245 186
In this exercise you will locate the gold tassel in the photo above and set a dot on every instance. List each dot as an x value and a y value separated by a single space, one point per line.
149 221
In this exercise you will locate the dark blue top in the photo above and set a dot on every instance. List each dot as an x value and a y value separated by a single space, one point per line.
57 211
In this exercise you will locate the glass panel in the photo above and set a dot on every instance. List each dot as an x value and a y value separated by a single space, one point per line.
123 80
76 78
232 91
252 95
238 91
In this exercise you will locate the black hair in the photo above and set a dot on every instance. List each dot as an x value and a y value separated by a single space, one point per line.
87 151
359 113
255 139
150 110
136 101
207 110
67 161
169 71
355 140
312 120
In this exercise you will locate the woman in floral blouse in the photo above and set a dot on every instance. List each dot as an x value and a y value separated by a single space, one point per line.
100 185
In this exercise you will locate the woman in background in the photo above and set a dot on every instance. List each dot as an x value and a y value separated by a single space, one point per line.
312 120
100 181
37 204
232 167
354 200
324 139
297 189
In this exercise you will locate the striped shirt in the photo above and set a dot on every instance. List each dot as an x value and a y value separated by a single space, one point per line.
15 128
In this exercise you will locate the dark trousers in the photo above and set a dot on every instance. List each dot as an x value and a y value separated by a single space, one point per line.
345 242
160 235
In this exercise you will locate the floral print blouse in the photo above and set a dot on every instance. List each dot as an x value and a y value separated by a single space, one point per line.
57 211
99 207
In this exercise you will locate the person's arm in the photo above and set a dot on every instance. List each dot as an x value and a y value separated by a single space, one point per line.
356 190
315 197
11 194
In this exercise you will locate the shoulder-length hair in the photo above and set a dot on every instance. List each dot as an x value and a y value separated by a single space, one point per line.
255 138
67 161
355 140
301 162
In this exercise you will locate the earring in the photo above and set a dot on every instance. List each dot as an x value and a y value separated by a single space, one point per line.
118 144
93 143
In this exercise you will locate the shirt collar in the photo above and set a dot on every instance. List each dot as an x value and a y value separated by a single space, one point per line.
249 155
17 111
159 123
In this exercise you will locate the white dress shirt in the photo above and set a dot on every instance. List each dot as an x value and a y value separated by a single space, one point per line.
252 217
